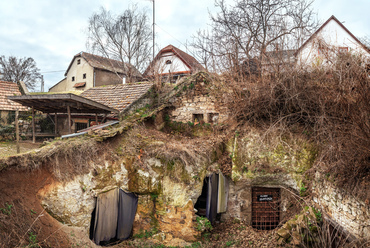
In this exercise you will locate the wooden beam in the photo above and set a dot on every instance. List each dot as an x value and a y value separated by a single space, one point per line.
33 126
96 118
17 129
69 119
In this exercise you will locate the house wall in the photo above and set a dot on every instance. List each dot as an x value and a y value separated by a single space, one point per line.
333 35
176 64
77 71
107 78
60 87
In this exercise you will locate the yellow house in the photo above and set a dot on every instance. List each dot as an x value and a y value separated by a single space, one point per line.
88 70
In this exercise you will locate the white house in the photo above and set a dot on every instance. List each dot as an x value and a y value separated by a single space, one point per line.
331 39
173 63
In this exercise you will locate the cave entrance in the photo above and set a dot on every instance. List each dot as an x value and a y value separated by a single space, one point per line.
265 208
214 197
113 216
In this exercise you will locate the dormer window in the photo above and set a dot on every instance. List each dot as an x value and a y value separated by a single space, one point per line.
84 76
79 61
73 79
168 62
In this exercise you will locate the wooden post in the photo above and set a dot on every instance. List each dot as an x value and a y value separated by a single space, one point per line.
17 129
96 118
55 124
69 119
33 126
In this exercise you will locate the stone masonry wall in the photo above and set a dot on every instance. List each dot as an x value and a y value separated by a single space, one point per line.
350 213
196 101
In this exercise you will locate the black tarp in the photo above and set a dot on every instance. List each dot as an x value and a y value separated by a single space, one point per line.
212 195
114 216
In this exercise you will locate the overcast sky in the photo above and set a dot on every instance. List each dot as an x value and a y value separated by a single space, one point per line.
53 31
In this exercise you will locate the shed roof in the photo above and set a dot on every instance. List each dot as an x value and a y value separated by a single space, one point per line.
118 96
188 60
9 89
57 103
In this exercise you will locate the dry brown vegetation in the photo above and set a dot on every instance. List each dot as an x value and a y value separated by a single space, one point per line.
329 105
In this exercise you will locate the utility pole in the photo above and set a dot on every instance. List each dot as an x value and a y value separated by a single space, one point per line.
42 83
153 29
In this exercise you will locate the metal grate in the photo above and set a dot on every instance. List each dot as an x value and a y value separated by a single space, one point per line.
265 208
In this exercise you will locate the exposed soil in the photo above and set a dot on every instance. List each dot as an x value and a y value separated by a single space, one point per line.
22 219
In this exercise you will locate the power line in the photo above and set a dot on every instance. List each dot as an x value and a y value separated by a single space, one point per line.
52 71
176 40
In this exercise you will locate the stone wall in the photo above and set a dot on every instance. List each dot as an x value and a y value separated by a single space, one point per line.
240 196
350 213
196 103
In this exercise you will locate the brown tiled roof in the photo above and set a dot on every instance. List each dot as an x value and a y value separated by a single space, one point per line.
9 89
79 85
117 96
103 63
189 60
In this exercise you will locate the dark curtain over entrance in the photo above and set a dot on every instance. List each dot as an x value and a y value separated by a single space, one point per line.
126 214
211 210
114 216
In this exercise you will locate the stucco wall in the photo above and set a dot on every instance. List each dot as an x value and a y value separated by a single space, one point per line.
107 78
176 64
333 35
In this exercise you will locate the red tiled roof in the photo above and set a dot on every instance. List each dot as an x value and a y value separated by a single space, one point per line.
77 85
9 89
117 96
189 60
103 63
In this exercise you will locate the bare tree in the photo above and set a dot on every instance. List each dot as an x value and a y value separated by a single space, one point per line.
125 37
20 69
250 28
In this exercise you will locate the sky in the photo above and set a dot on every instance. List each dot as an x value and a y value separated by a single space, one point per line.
53 31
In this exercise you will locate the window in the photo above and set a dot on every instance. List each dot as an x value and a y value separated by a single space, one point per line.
168 62
197 118
79 61
342 49
73 79
80 126
84 76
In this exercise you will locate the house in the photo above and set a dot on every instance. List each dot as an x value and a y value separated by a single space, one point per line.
278 60
331 39
8 107
172 63
88 70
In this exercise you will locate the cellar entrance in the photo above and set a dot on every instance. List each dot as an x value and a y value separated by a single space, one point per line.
265 208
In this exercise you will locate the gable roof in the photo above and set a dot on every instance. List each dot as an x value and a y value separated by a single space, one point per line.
322 26
187 59
104 63
9 89
118 96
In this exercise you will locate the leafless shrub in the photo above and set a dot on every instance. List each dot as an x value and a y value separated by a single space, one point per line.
327 104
